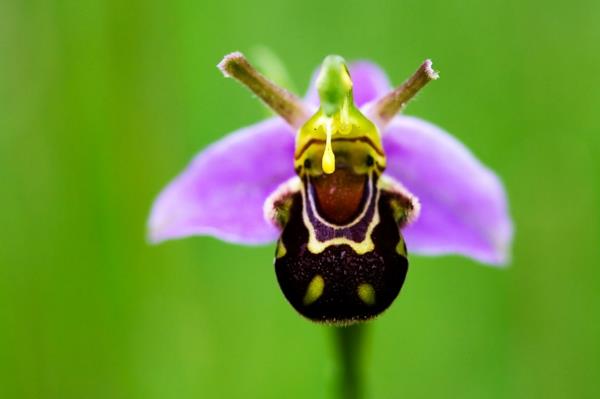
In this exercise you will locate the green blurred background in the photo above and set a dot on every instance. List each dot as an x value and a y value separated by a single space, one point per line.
102 102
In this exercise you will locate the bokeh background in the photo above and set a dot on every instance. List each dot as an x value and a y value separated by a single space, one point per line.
103 102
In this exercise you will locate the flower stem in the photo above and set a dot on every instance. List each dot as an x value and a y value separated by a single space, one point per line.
349 342
386 107
281 101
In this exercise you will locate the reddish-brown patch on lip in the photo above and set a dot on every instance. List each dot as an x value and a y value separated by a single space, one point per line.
339 196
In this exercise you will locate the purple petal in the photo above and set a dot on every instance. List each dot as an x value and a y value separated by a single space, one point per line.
370 82
221 193
464 207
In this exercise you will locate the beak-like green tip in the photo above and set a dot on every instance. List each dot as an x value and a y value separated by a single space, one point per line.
334 84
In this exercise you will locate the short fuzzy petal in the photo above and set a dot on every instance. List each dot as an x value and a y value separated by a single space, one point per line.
369 82
464 207
222 192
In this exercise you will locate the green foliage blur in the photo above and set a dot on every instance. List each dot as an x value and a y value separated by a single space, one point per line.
103 102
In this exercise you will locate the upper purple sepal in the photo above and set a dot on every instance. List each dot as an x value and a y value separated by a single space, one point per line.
222 192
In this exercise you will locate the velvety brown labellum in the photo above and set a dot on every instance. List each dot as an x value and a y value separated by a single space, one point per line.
350 287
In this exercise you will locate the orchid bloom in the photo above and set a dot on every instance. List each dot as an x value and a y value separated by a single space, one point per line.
346 184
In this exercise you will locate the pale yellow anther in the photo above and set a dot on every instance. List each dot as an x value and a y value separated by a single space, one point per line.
345 125
347 80
328 160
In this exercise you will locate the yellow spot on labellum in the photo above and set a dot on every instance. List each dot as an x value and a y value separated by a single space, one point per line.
366 293
314 290
281 251
401 248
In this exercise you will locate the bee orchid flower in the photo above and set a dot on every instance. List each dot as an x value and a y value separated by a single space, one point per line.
345 185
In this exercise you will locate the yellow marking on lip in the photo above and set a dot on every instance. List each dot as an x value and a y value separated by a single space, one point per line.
366 293
314 290
401 247
281 251
316 247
